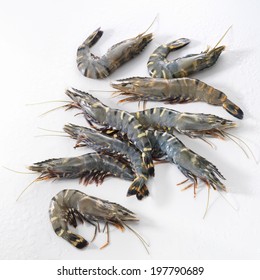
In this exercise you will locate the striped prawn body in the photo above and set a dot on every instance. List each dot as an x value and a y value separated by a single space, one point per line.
190 124
192 165
104 144
88 168
160 67
70 206
172 91
95 111
96 67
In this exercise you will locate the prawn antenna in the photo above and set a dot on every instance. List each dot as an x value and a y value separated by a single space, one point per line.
99 90
53 109
56 135
212 145
63 134
35 180
50 130
219 41
230 204
156 17
232 137
137 234
207 205
46 102
20 172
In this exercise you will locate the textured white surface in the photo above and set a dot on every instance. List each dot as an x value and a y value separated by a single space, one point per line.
37 55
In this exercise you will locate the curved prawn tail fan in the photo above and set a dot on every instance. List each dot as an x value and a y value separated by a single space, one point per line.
233 109
75 239
138 188
92 39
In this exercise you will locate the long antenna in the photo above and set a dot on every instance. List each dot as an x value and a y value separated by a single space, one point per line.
145 244
35 180
45 102
56 135
207 206
220 39
50 130
229 135
233 207
150 25
56 108
20 172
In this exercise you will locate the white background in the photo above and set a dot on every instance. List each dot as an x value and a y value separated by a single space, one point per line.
38 62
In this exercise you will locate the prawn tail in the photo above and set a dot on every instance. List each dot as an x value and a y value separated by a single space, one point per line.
177 44
138 188
233 109
74 239
93 38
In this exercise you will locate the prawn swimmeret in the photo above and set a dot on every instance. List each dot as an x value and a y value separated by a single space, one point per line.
70 206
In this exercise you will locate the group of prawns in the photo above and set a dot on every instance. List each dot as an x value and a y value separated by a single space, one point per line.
127 143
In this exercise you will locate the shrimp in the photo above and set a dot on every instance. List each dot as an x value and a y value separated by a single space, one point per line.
104 144
159 67
69 205
172 91
192 165
95 111
89 168
190 124
96 67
